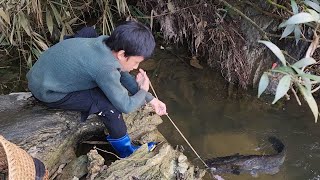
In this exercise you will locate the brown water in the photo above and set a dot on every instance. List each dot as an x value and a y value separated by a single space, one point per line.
220 120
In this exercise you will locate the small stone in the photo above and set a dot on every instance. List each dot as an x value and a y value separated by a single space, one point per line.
181 170
183 164
182 158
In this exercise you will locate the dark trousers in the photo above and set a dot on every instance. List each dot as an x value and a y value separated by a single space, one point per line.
93 101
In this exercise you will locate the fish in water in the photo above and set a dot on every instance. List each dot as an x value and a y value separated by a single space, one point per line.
252 164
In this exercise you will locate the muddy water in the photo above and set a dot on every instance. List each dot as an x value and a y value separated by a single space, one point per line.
219 120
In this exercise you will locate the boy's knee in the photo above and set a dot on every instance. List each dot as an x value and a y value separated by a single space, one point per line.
110 114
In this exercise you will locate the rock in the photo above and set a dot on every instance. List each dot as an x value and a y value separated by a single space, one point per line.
183 165
182 158
76 169
95 164
52 135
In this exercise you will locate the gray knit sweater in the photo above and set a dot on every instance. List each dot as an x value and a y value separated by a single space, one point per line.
80 64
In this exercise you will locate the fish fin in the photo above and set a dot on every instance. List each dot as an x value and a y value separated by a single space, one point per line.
254 173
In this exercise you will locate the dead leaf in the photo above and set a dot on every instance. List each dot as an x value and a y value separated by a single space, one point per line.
195 63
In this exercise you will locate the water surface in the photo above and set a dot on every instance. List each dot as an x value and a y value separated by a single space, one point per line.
220 120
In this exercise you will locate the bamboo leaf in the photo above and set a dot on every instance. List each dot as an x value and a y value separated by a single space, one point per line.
282 88
13 30
263 84
310 76
29 62
316 1
284 70
49 21
299 71
41 44
297 33
299 18
73 20
310 100
304 62
275 50
294 6
307 83
4 16
63 32
56 14
24 23
314 14
313 5
288 30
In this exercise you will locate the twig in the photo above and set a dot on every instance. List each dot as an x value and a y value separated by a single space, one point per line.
264 12
280 6
155 16
262 32
5 67
107 152
95 142
286 53
315 89
295 95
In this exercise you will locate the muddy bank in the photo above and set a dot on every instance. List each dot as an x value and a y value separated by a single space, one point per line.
53 136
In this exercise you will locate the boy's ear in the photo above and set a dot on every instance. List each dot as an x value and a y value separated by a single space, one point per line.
121 55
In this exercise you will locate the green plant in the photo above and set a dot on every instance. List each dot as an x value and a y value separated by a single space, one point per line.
31 26
295 75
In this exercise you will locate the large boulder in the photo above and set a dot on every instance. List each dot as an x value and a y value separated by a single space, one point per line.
53 135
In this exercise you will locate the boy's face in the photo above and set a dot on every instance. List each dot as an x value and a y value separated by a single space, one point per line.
131 63
128 63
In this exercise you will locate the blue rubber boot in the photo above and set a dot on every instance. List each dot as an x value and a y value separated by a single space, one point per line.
123 146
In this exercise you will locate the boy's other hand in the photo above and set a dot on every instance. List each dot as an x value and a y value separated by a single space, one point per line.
159 107
143 80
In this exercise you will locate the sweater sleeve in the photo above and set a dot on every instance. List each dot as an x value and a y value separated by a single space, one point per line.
129 82
109 83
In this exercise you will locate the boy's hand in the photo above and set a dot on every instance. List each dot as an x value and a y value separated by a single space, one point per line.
159 107
143 80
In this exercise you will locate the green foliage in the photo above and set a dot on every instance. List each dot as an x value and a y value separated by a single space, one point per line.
282 88
275 50
263 84
293 24
294 76
31 26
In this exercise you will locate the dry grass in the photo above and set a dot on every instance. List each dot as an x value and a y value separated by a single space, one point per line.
208 32
29 27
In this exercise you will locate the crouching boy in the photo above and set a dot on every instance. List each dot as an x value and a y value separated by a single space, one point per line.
91 75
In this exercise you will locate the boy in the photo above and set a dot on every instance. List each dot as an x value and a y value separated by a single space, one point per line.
91 75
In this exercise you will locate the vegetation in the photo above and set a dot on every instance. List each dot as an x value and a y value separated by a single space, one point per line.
30 26
298 75
212 30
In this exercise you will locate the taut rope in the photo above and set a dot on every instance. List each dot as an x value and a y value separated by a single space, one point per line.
180 131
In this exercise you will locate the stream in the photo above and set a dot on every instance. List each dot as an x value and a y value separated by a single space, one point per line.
219 120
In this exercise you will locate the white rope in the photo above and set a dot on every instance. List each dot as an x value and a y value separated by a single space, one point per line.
180 131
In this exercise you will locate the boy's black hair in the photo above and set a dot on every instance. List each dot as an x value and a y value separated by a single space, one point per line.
132 37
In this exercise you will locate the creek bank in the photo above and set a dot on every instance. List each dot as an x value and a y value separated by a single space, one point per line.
53 135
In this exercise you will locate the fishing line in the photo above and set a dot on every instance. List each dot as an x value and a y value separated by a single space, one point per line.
180 131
